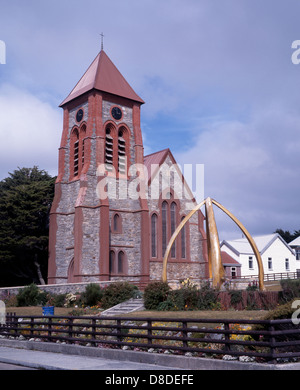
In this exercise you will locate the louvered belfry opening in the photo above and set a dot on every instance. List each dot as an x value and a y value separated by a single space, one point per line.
121 153
109 150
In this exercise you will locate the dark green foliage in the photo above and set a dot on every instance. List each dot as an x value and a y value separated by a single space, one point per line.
31 296
288 236
290 289
92 295
155 293
59 300
116 293
235 297
208 297
25 200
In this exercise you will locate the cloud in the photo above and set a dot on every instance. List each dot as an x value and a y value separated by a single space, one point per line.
252 168
30 131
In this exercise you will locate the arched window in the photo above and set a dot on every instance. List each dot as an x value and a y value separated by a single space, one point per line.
109 149
82 141
164 222
116 148
121 152
111 262
116 224
173 227
183 241
154 235
75 151
121 261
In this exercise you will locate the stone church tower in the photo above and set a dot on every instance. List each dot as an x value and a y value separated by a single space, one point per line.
111 219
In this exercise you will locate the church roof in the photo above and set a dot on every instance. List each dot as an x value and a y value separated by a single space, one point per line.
103 75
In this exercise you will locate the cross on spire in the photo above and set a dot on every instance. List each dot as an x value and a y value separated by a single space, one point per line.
102 36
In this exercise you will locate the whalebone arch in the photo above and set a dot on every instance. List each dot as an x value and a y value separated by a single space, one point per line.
216 269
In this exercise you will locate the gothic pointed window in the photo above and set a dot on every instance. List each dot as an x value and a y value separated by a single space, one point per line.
82 143
154 235
183 241
111 262
121 152
173 227
121 260
164 221
109 150
75 151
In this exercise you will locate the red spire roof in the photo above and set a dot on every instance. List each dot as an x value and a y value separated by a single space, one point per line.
103 75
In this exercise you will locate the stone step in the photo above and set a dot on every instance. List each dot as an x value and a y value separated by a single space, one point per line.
125 307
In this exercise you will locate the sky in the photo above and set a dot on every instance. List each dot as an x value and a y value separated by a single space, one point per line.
217 77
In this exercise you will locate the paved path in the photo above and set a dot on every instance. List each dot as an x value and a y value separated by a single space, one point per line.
59 361
6 367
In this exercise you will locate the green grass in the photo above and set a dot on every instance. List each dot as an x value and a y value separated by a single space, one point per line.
205 314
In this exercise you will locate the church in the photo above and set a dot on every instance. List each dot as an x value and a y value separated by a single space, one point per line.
115 209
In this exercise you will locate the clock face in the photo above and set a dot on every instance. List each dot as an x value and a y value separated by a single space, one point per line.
79 115
116 113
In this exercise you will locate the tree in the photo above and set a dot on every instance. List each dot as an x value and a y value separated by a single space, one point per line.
25 201
288 236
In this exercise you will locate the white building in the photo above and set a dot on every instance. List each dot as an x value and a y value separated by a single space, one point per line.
277 256
295 245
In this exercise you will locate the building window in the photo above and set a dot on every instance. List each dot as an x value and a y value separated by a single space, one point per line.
111 262
183 240
164 222
270 266
297 253
109 144
76 156
287 264
121 260
121 152
116 149
233 272
250 262
173 227
154 235
117 224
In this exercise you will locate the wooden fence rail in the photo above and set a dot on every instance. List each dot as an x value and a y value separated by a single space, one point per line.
266 340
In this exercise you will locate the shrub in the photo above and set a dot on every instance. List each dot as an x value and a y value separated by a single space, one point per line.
30 296
235 297
190 295
59 300
290 289
92 295
155 293
208 298
284 311
166 306
176 298
116 293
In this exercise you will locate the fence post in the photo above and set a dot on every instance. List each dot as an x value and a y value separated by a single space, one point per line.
94 344
184 334
49 328
31 326
149 333
70 330
272 343
226 337
119 334
15 324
